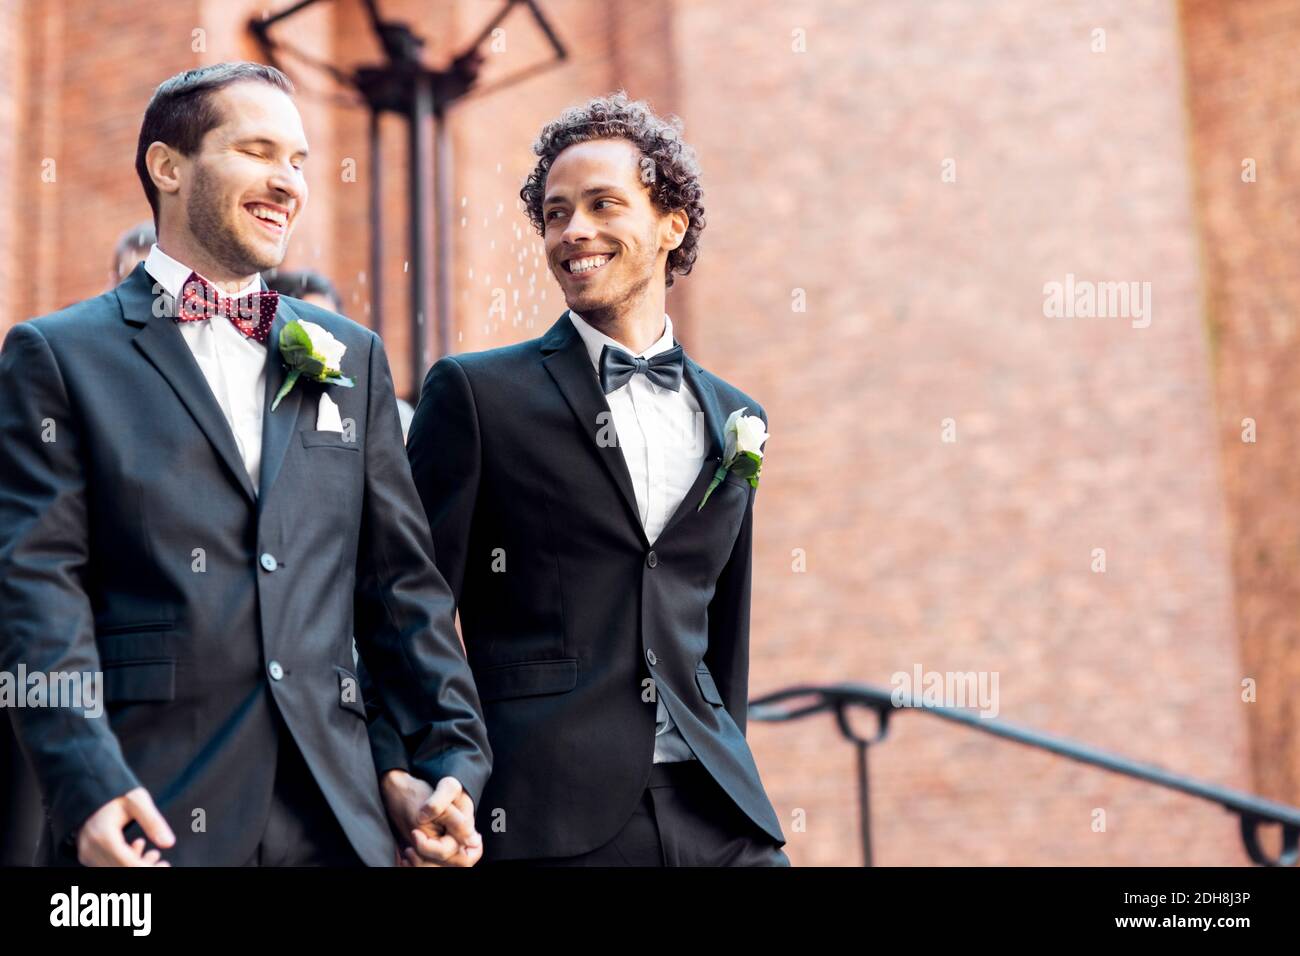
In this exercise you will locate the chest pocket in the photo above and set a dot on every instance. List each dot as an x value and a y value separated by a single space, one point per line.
315 439
334 466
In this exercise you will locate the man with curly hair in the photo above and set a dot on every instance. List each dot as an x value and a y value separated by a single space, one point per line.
605 613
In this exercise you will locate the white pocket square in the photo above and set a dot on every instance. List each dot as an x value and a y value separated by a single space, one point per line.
327 417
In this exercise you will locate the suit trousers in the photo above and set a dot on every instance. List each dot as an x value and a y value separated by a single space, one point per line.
301 829
684 818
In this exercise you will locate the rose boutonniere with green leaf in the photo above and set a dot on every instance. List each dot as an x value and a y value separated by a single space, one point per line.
309 350
744 435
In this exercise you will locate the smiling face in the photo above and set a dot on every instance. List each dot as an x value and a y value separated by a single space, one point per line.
606 242
244 188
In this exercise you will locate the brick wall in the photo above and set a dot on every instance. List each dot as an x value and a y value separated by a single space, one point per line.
924 303
13 45
824 175
86 74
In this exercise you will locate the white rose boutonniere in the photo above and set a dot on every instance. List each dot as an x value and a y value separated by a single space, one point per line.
308 349
744 435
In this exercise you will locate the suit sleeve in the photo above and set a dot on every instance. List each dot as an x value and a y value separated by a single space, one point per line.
424 710
46 619
443 451
446 463
727 656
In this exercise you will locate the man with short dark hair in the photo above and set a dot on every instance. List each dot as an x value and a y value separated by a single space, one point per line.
591 499
203 497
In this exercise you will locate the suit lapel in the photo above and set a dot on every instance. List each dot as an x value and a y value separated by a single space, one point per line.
570 366
708 398
278 427
164 346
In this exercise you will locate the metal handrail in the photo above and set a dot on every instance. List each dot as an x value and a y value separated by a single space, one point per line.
840 699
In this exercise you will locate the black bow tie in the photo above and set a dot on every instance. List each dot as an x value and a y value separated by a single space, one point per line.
617 367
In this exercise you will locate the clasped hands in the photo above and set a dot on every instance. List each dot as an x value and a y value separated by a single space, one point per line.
438 824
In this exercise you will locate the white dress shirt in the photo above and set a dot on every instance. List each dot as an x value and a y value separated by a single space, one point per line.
662 435
232 363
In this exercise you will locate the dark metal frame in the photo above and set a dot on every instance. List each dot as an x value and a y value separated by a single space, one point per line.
841 699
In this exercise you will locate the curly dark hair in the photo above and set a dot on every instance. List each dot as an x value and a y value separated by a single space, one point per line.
668 165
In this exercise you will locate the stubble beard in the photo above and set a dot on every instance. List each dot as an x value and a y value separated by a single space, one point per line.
607 314
219 236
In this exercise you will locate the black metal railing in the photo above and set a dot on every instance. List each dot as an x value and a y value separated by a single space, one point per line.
841 699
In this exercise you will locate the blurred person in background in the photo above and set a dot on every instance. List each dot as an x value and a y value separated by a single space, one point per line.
308 285
131 249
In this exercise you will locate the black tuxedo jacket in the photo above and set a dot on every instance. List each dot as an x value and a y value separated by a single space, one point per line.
101 568
567 610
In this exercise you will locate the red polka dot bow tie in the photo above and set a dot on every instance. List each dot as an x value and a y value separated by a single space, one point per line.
252 314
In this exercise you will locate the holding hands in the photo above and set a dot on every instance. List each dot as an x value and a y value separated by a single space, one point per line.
437 824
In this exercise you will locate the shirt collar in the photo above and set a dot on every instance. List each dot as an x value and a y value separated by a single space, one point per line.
596 340
171 274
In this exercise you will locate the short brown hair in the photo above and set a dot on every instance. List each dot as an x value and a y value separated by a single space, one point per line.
181 111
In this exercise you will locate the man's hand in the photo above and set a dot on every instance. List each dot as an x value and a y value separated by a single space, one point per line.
100 841
439 824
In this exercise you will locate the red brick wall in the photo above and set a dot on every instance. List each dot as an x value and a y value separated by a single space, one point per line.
924 301
87 71
13 47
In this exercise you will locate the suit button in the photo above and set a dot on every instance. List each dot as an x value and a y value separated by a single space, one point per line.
275 670
650 656
652 559
268 561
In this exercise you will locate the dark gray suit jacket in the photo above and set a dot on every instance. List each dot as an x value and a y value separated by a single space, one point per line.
567 610
132 542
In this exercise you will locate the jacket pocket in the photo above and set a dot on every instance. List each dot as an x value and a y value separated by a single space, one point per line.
527 679
141 680
139 662
141 644
350 692
707 687
146 627
315 439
